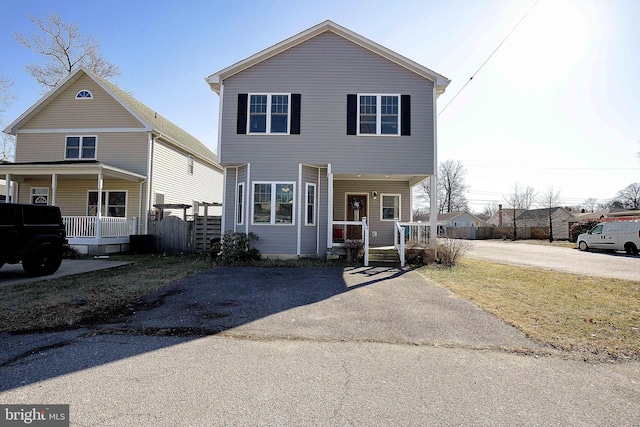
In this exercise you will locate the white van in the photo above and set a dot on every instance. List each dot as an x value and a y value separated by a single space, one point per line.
614 236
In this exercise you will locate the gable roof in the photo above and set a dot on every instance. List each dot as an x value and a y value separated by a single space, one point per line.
150 119
450 216
542 213
215 79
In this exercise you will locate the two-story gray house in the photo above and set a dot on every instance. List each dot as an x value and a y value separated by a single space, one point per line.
319 131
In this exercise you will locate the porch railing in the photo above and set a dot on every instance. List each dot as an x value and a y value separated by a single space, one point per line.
398 240
416 232
340 234
86 226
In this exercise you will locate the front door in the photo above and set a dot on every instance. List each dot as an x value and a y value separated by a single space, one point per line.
356 209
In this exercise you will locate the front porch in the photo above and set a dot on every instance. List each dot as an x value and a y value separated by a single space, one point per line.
404 234
91 235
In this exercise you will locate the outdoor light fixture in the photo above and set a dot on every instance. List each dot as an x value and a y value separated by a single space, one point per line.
374 194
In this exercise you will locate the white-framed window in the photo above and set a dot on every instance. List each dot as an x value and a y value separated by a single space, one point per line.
269 113
378 114
190 165
310 211
114 203
240 204
84 94
81 147
273 203
39 195
389 207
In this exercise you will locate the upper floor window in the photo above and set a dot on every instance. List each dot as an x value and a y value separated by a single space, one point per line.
80 147
190 165
265 114
84 94
378 114
269 114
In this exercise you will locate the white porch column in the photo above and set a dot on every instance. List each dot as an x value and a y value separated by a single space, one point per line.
248 190
299 202
433 205
99 213
7 181
329 207
54 186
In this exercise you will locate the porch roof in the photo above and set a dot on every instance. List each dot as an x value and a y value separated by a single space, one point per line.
69 168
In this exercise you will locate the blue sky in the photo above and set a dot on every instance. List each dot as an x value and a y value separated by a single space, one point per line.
556 106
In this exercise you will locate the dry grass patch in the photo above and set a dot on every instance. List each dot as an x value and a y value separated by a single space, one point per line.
597 317
69 301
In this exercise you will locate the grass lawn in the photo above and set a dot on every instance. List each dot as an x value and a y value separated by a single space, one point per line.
598 318
72 300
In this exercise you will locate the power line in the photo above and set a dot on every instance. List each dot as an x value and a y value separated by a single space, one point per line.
488 58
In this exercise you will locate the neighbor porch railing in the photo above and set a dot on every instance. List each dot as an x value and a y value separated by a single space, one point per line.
340 233
86 226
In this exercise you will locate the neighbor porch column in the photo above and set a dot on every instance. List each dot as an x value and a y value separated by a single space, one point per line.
54 186
433 215
99 213
7 180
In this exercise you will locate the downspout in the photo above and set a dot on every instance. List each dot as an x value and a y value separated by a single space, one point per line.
433 182
147 207
224 203
54 187
329 207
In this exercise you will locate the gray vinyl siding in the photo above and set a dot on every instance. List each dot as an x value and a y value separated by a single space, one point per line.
324 70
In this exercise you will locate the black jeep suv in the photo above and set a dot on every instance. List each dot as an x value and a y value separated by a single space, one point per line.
33 234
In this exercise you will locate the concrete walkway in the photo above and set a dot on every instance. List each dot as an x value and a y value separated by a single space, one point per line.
14 274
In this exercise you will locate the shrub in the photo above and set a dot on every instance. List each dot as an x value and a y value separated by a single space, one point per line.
355 250
415 253
580 227
234 248
451 250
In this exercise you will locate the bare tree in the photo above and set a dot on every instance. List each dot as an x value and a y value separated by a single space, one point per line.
549 200
591 204
451 187
489 210
7 96
519 198
65 49
628 198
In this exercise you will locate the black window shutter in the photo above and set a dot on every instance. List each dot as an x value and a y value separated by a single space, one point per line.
242 113
352 114
295 113
405 126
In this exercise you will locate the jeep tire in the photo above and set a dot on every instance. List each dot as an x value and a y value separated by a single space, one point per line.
43 260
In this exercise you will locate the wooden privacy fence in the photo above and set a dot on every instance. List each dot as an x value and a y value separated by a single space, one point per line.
174 235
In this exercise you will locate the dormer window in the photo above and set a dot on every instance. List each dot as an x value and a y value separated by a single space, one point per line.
84 94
